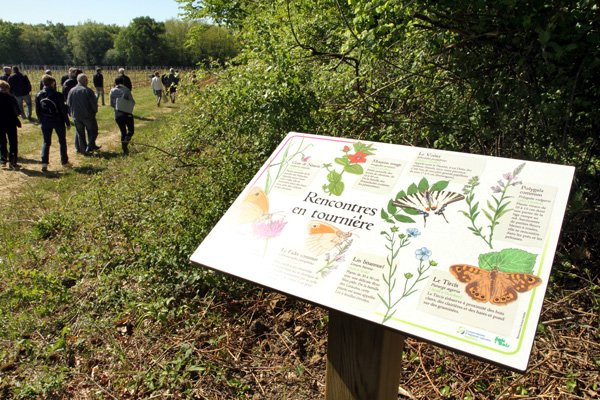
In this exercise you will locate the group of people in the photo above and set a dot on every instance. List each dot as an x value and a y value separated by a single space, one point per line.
169 82
53 110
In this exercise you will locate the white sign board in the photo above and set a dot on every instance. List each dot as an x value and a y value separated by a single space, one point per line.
450 247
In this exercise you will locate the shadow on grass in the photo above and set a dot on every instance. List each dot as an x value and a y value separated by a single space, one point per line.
143 118
25 160
105 155
39 173
88 170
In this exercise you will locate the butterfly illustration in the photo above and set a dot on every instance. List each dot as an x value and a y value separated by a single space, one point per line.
323 237
495 286
254 207
427 202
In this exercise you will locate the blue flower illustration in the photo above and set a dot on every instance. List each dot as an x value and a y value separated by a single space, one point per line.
423 253
413 232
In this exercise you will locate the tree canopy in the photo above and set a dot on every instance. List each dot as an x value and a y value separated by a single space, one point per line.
143 42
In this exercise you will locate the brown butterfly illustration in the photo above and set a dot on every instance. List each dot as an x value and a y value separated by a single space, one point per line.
495 286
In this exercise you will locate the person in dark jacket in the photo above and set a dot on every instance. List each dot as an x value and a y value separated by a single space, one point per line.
53 115
47 72
123 79
7 72
173 81
21 88
64 78
99 84
70 83
9 122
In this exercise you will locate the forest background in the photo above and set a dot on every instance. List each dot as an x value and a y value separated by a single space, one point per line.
110 307
144 42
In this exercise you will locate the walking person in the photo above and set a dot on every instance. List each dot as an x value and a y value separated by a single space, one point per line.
122 101
53 115
173 82
20 86
157 87
9 122
47 72
99 84
83 107
6 75
123 79
70 82
164 79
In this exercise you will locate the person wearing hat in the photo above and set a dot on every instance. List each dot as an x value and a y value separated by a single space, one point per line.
6 75
99 84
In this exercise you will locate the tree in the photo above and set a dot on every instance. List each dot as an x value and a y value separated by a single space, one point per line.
10 42
90 41
142 42
205 43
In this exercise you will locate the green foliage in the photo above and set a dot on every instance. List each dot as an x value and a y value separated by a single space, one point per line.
206 43
509 260
144 42
90 41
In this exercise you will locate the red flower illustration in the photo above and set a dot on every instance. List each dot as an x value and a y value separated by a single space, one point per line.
346 149
358 158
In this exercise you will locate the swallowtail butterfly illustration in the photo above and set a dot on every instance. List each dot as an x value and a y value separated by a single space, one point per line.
428 202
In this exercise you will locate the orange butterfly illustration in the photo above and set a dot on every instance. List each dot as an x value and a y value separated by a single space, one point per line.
323 237
253 208
495 286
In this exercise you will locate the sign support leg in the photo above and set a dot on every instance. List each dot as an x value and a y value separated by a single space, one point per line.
363 359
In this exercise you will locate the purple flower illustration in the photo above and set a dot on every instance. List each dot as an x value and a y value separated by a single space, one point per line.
269 229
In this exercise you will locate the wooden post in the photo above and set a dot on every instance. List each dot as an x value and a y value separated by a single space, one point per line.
363 359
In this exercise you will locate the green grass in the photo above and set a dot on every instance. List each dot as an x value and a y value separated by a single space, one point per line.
71 263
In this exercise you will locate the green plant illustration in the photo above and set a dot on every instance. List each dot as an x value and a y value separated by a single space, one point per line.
496 208
395 242
350 163
395 213
508 260
332 261
286 158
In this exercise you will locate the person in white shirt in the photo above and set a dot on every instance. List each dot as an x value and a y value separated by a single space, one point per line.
157 87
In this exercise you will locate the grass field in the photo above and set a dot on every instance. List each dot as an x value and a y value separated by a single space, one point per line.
39 311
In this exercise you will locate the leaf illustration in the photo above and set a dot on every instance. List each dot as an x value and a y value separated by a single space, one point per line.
354 169
334 177
403 218
423 185
509 260
342 161
391 207
412 189
336 188
363 148
386 217
400 194
440 185
410 211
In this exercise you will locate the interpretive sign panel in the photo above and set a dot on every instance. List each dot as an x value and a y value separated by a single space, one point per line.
453 248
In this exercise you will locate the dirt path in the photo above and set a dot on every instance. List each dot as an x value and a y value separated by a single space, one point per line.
13 181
